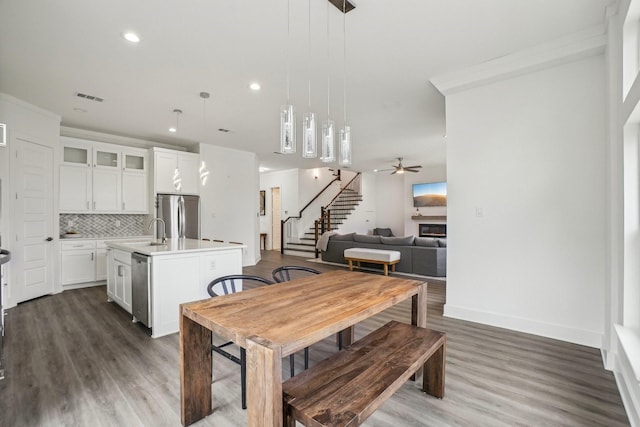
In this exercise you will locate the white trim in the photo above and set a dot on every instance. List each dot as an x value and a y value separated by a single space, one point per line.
567 49
116 139
549 330
630 343
20 103
629 389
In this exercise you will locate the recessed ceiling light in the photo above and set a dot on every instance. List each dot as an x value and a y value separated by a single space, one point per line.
132 37
79 110
254 86
174 130
263 169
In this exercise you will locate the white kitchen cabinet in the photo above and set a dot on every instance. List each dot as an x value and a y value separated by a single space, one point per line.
134 181
76 189
102 178
101 260
77 262
106 178
119 278
167 162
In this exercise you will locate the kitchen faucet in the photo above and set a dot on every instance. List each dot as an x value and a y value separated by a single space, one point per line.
164 228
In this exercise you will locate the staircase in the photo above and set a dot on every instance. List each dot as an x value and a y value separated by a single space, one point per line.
332 216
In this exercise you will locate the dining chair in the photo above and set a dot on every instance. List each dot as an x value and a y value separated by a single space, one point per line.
229 285
283 274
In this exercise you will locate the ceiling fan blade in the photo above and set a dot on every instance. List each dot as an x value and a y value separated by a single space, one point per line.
394 172
410 170
413 167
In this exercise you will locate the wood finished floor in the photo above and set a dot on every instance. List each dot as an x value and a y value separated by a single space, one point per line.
73 359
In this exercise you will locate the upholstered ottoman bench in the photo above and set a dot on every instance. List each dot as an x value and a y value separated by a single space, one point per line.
374 256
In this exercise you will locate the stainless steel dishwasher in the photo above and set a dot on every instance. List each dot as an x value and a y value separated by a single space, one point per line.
141 288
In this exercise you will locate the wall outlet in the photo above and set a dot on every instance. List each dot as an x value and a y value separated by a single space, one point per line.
69 223
117 223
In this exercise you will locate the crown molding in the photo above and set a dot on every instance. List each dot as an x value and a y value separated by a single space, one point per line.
114 139
23 104
567 49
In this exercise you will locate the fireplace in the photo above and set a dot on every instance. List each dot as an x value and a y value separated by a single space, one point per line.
432 230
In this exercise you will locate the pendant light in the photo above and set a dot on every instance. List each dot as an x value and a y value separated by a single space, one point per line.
287 112
309 130
328 132
204 171
345 132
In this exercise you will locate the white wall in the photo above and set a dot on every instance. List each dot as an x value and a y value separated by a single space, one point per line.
363 219
287 181
230 200
530 152
43 127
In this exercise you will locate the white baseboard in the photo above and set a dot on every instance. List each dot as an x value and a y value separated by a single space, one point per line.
549 330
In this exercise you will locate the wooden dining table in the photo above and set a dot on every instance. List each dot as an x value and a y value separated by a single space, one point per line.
271 322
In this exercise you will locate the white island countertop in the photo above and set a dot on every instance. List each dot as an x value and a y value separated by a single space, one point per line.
172 246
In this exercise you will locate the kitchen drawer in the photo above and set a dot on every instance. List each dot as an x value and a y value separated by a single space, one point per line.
100 244
122 256
72 246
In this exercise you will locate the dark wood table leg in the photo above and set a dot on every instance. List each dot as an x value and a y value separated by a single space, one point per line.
195 371
433 378
345 337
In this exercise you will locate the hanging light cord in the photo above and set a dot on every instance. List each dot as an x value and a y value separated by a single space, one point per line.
328 73
344 51
309 56
288 43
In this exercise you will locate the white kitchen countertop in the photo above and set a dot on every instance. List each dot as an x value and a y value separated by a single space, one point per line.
97 237
173 246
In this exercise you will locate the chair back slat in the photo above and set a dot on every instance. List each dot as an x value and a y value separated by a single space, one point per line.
228 283
282 274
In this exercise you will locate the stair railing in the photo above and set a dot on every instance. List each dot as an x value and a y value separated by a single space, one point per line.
285 221
324 223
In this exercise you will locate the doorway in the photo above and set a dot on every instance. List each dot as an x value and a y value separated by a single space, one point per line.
276 218
32 218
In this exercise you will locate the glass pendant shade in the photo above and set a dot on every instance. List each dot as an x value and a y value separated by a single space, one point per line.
309 136
287 129
328 143
345 146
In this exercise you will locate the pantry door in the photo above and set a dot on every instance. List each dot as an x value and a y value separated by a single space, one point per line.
32 266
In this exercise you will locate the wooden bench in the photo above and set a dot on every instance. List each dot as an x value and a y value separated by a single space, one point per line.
373 256
345 389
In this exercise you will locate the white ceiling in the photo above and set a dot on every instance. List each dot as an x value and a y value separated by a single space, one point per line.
50 50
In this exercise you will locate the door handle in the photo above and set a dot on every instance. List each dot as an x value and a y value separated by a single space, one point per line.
49 239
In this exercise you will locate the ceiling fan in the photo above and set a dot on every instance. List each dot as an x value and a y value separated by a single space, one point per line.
400 168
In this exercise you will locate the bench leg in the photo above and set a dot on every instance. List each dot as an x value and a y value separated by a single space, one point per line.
433 376
393 267
386 269
351 265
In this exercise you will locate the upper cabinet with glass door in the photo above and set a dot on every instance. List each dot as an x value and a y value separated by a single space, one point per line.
102 178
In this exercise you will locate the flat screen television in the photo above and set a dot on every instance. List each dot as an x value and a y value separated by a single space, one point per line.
430 194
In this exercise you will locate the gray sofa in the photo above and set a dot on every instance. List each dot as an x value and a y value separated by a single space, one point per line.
419 255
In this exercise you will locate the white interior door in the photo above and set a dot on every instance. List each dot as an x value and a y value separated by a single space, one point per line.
32 188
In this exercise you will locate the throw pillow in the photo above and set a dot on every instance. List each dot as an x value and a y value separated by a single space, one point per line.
426 242
365 238
385 232
397 241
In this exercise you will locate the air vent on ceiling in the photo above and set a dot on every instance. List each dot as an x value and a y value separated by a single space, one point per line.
224 130
89 97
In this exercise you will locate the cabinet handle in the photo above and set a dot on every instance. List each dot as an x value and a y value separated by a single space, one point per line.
87 204
94 204
120 269
122 205
91 256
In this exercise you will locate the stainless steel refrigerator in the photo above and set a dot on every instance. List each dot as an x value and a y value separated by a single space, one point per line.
181 215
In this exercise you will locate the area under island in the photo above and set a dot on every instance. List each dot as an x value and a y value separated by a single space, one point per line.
150 279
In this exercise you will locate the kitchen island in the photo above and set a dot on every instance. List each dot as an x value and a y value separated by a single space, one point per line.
176 272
